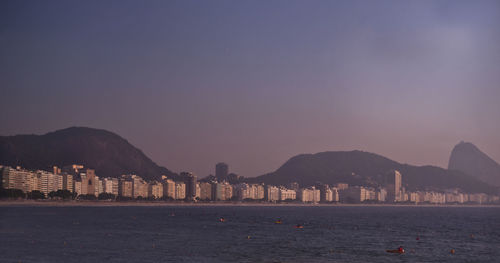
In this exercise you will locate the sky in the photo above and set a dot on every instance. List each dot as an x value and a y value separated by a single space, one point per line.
253 83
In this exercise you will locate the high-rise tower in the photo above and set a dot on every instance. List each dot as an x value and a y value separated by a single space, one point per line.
221 171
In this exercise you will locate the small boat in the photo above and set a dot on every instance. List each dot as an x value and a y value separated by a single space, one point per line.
400 250
278 221
222 219
299 226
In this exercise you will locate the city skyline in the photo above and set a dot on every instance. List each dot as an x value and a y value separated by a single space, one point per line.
253 84
75 182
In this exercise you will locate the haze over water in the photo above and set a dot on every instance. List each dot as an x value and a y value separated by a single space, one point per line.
192 83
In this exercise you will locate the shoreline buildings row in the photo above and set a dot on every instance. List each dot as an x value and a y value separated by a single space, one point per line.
83 182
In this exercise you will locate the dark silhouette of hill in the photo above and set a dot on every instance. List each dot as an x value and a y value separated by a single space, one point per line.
104 151
467 158
363 168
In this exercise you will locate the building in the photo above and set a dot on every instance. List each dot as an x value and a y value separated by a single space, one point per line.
354 194
221 191
242 191
190 185
126 186
249 191
88 182
198 192
180 190
16 178
326 193
205 191
287 194
77 187
221 171
99 187
309 195
46 181
272 193
260 191
168 188
393 184
111 185
67 182
228 191
155 190
140 187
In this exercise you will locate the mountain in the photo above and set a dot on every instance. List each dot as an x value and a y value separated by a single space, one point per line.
104 151
467 158
363 168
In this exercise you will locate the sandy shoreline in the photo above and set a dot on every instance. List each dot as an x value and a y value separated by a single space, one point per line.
11 203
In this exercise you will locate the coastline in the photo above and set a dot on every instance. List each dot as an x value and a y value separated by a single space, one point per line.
14 203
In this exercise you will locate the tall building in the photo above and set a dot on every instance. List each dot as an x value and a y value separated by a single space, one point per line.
382 195
67 182
243 191
169 188
335 194
272 193
78 186
326 194
140 187
221 171
310 194
16 178
155 189
228 191
190 185
126 186
287 194
198 191
393 184
205 191
110 185
180 190
99 187
88 182
221 191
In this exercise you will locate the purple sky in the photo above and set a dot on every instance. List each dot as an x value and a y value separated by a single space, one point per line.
253 83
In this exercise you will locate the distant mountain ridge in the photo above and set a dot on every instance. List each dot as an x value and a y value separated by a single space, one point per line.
106 152
364 168
111 155
467 158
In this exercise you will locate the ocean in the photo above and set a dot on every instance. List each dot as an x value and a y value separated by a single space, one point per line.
248 234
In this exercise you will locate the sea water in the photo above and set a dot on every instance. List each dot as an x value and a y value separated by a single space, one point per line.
249 234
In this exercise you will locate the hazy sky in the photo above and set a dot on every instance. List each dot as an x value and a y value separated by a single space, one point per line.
253 83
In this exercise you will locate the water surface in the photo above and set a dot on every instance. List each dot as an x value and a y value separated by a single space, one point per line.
249 234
